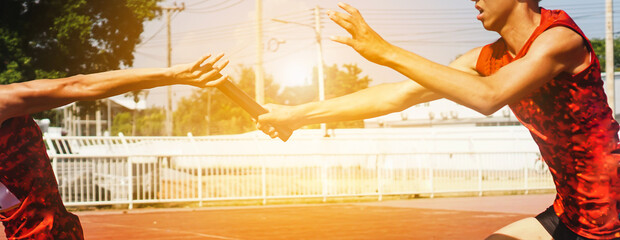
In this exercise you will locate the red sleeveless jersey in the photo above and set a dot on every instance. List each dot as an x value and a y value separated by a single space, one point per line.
35 210
573 126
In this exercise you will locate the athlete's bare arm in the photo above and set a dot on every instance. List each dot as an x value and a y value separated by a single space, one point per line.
547 58
34 96
367 103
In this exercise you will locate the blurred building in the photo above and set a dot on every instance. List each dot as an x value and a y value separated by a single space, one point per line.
83 120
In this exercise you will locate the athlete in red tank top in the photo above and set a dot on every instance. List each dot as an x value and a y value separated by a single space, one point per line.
26 173
574 128
30 205
543 67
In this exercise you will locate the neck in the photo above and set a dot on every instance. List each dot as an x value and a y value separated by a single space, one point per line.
520 25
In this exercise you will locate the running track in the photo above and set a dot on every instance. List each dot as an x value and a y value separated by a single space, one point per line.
440 218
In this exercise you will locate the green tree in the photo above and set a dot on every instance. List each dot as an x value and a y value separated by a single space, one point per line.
55 38
135 95
121 123
58 38
599 49
149 122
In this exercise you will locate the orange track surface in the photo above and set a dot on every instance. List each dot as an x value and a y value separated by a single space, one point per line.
443 218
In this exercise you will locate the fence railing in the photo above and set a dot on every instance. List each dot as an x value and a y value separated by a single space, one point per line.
96 180
113 170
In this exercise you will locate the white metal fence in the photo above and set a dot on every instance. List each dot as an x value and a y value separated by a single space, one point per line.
123 170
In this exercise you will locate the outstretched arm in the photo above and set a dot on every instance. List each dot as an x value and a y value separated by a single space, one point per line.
547 58
367 103
34 96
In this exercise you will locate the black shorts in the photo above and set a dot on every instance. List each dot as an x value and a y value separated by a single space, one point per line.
551 222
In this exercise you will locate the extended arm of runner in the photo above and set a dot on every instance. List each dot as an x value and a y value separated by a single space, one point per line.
367 103
546 59
18 99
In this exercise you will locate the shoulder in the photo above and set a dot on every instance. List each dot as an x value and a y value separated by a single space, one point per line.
559 41
467 61
561 45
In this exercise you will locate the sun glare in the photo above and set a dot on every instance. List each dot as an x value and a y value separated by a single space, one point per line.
295 73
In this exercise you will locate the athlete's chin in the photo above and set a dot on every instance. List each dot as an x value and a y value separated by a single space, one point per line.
485 25
488 25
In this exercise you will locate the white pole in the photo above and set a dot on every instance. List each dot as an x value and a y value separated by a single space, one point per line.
609 56
109 116
321 74
259 74
169 88
98 118
168 11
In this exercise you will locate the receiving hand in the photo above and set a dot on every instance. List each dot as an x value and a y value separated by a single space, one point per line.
202 73
279 115
363 38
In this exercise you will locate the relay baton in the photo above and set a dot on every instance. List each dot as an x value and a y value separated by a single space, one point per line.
249 105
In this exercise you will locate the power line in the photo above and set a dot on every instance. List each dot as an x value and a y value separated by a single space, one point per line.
211 6
197 3
157 32
210 10
151 56
390 22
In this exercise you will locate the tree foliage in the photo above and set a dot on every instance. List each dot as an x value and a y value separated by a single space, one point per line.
55 38
599 49
149 122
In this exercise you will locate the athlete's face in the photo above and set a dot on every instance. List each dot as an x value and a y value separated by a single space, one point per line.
494 13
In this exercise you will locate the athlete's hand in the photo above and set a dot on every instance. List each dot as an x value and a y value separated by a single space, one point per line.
363 38
203 73
280 115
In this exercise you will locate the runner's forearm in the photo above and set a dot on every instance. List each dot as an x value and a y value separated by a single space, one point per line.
461 87
371 102
38 95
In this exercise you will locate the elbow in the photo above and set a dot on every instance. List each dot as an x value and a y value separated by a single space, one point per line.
488 110
489 104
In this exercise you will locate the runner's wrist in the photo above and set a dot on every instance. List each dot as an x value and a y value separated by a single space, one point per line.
387 55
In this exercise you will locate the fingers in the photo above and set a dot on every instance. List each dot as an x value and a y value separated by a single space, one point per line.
212 83
213 77
203 63
221 66
215 82
267 129
263 123
199 62
269 107
343 40
212 62
350 9
343 20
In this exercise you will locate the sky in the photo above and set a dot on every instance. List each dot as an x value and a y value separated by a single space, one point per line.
438 30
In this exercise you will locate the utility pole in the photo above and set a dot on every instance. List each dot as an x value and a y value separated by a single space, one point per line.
259 84
109 103
168 10
209 93
98 118
320 63
609 57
